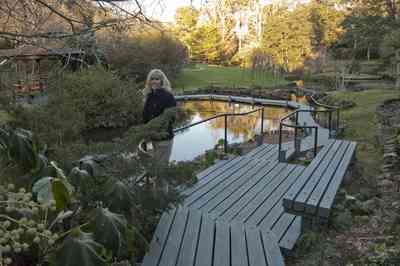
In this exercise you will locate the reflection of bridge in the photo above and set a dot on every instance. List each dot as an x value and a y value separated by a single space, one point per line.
249 209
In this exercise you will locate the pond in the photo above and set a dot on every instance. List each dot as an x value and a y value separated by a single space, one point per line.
194 141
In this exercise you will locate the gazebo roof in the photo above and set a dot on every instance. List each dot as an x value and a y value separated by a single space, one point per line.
33 52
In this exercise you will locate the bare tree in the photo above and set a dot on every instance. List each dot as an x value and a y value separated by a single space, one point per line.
36 21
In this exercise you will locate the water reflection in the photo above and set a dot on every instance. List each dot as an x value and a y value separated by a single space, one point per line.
196 140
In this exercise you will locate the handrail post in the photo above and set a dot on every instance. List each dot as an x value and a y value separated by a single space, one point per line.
262 121
330 123
226 134
296 150
316 142
337 120
280 143
297 118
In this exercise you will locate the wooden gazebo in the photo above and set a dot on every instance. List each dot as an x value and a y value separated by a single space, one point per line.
27 63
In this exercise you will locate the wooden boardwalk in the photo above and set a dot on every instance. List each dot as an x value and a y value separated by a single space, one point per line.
249 209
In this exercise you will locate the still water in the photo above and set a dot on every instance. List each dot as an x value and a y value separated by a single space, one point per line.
194 141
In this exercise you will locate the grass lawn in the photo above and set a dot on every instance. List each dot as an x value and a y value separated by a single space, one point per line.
201 75
361 126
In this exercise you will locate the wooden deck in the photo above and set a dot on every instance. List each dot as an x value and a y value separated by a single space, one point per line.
249 190
188 237
249 209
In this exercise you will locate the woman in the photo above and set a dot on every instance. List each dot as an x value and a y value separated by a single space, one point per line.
158 95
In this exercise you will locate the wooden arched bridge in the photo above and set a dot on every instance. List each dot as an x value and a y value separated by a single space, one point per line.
251 209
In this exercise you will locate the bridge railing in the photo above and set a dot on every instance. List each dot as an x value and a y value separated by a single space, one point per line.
226 115
328 117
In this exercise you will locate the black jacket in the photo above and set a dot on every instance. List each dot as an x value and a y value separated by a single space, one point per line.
156 102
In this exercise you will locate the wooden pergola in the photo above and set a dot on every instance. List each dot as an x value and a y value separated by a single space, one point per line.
28 58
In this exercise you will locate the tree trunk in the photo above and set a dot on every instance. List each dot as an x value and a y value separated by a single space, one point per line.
397 84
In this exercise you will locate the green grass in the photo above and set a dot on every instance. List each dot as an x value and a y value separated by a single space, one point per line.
362 126
201 75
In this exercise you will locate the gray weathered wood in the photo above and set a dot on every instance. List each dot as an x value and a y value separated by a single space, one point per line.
263 203
329 196
212 168
222 245
312 181
311 206
238 246
274 256
224 176
189 244
245 191
255 251
282 225
275 200
159 238
242 213
298 185
228 186
228 191
288 241
173 245
204 256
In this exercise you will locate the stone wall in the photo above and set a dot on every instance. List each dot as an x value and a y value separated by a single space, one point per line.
388 115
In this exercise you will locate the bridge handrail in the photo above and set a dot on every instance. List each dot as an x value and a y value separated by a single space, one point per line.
328 109
225 115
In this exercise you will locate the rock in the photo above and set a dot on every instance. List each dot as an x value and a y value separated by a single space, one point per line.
350 198
390 155
386 183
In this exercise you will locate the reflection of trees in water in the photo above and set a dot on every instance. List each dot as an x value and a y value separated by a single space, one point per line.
238 125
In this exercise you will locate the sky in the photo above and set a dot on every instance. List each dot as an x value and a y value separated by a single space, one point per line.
164 10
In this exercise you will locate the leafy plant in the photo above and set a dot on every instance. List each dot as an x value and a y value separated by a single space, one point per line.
86 217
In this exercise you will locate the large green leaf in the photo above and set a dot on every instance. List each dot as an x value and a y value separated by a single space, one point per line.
50 188
109 229
22 149
61 194
79 249
118 197
78 177
43 190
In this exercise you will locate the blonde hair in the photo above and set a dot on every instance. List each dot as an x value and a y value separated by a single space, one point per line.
165 84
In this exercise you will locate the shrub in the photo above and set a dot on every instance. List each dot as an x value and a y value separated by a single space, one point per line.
78 102
133 55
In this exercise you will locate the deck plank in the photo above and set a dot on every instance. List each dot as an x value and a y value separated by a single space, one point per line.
159 239
240 206
311 206
271 214
329 196
225 193
302 180
314 177
269 242
205 246
263 194
262 204
201 187
256 182
254 248
224 189
222 245
238 246
189 244
289 239
173 244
